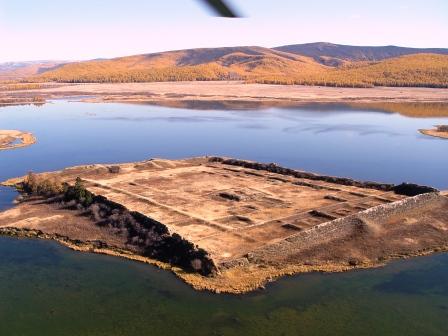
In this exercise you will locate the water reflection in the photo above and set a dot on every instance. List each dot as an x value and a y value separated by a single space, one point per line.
360 129
329 139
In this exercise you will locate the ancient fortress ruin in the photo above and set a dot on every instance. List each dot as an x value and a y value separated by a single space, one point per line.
211 214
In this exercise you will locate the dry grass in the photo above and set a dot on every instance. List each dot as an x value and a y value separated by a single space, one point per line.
9 137
16 86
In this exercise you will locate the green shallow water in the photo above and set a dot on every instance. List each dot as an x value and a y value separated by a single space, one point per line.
47 289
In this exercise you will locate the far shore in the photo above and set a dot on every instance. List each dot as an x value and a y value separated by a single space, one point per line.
172 93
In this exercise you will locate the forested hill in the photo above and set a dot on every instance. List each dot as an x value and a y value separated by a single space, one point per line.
263 65
336 54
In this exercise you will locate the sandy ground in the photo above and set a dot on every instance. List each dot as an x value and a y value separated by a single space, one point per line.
9 137
229 91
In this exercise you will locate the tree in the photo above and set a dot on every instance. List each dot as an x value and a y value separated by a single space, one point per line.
80 191
30 182
81 194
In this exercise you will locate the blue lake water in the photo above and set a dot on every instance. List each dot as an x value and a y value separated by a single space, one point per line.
47 289
336 140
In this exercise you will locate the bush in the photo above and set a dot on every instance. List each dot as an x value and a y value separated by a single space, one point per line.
41 185
52 186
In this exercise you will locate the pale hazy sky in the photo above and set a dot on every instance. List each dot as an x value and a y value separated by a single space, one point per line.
86 29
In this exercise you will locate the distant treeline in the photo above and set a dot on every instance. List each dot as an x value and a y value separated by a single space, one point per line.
410 71
170 74
16 86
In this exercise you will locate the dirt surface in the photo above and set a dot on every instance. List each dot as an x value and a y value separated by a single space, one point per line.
175 93
257 222
11 139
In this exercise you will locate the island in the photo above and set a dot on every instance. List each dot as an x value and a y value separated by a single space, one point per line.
11 139
228 225
441 131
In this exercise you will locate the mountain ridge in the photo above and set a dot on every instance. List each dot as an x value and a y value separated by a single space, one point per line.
311 64
24 69
337 53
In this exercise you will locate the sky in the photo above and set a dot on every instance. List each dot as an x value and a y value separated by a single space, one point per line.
88 29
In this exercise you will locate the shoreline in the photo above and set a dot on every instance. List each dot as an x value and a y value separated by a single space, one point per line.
159 92
263 275
408 101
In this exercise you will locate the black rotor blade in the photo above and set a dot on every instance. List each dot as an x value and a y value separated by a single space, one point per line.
221 8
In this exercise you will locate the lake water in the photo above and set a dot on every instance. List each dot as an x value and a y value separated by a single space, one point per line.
47 289
335 140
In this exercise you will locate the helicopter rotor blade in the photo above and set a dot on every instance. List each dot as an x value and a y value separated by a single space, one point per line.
221 8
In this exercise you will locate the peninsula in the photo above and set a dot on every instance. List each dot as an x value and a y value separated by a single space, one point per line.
441 131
